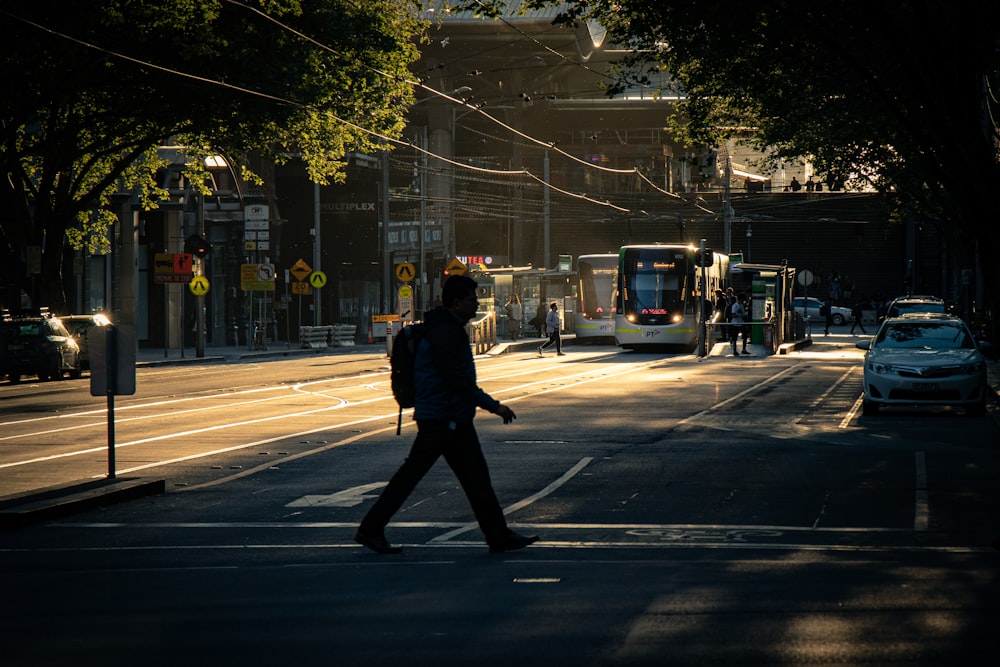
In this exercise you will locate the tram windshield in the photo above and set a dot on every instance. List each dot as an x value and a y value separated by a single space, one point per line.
653 281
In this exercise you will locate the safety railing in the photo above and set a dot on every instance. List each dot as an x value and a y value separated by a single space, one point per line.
482 332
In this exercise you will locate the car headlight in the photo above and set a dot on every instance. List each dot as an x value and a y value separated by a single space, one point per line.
973 368
881 369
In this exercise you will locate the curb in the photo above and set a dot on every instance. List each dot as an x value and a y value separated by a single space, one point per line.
34 506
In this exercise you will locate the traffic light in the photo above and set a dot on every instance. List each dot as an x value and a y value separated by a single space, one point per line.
197 245
707 260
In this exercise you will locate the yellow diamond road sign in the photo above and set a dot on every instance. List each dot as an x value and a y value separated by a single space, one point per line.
456 267
301 270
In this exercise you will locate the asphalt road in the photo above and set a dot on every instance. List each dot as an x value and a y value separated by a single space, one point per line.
721 511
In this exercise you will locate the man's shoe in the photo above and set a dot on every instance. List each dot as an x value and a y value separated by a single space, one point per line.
540 352
376 543
562 354
512 542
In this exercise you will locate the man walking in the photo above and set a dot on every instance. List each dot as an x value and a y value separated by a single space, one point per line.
857 312
445 405
552 326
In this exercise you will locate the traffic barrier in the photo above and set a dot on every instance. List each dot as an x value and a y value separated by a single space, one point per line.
343 334
314 338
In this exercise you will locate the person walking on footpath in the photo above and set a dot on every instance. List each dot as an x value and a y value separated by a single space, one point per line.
552 326
826 310
514 315
445 405
858 311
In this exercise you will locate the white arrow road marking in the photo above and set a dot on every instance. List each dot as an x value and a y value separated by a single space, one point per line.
346 498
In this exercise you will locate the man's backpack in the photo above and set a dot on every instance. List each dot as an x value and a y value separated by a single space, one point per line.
404 356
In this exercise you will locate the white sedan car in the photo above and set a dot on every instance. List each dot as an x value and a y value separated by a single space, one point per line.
812 307
924 359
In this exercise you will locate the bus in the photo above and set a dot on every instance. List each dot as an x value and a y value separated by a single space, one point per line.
658 297
593 321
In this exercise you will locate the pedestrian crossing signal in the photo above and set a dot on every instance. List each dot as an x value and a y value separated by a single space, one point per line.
197 245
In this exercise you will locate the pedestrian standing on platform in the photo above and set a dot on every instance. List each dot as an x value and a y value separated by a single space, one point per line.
446 400
514 315
736 315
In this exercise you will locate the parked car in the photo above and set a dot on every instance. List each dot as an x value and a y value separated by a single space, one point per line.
915 304
37 344
78 326
813 306
924 359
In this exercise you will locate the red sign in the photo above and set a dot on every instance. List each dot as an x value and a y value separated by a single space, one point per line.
183 263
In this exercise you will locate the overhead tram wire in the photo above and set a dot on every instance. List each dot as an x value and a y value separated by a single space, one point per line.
549 145
384 138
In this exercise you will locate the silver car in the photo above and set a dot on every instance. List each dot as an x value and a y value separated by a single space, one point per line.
924 359
813 307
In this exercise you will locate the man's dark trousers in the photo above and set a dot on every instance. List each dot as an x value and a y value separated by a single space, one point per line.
463 453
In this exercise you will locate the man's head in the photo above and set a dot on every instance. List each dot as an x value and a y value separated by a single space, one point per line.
554 306
459 296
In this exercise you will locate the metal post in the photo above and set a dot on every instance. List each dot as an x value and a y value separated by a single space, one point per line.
199 301
111 355
317 252
420 302
702 323
546 257
727 208
386 257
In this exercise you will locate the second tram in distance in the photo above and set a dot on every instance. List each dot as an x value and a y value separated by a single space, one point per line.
657 300
594 320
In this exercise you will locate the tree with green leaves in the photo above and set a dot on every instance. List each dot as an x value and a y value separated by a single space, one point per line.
91 89
902 96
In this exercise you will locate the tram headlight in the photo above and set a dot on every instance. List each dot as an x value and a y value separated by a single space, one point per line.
677 318
632 318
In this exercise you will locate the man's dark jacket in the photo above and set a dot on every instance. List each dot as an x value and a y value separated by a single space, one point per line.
445 372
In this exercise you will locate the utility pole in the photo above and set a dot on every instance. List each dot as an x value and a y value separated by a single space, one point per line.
727 208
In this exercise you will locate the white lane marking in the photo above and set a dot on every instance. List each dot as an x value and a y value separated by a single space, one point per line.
665 536
326 525
822 397
347 498
733 399
921 510
524 502
853 411
603 373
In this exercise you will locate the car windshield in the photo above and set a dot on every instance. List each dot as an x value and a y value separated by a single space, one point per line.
923 335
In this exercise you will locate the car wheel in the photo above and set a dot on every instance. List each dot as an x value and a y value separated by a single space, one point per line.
869 408
976 410
838 319
14 378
